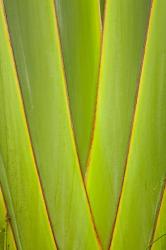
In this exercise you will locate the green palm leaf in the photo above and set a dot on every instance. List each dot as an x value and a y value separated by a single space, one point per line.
18 174
123 42
80 39
40 71
145 173
82 94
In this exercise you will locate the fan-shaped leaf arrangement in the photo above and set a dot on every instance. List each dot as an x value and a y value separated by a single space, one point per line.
82 125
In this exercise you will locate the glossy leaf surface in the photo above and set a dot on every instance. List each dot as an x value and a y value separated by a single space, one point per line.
38 58
81 90
146 171
18 174
124 36
80 28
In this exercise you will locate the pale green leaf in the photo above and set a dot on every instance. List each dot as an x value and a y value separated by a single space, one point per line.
80 29
124 36
18 174
146 165
34 34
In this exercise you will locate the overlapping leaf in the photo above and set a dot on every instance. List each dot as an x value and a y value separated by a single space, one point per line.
80 28
56 48
36 47
18 175
123 42
146 165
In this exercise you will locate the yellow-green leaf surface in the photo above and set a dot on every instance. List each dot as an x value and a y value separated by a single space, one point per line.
146 165
36 46
7 241
159 239
124 35
18 174
80 28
